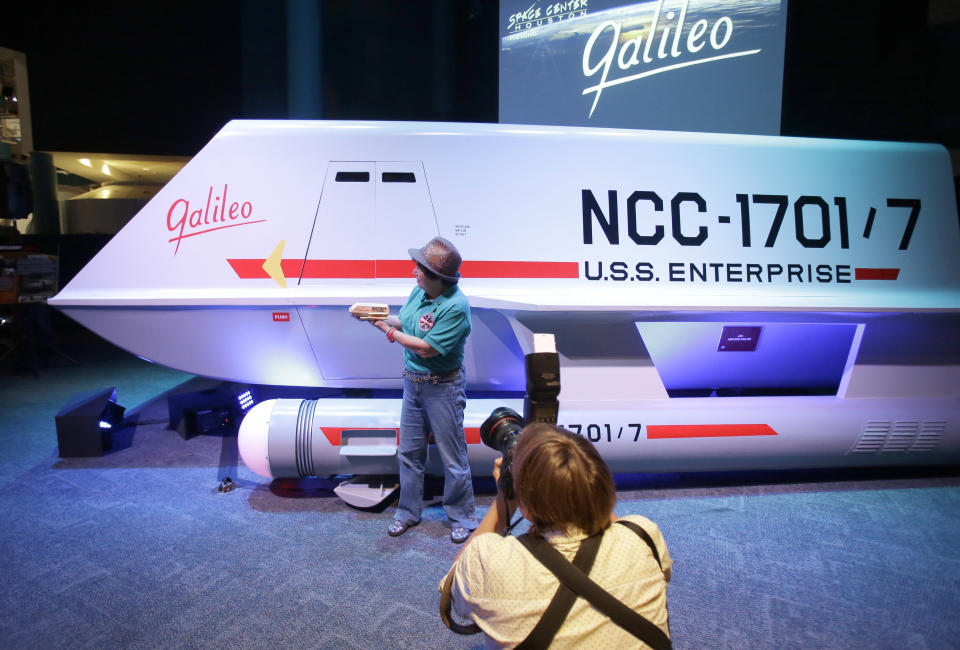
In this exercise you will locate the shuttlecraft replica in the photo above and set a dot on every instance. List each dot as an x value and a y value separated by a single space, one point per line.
718 302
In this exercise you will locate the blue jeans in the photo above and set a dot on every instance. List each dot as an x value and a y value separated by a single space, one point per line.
436 408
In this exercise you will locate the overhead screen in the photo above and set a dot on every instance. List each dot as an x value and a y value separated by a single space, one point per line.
685 65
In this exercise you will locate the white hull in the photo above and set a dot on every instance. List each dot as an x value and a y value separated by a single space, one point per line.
642 252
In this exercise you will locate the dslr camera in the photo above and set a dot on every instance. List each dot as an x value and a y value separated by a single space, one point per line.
501 430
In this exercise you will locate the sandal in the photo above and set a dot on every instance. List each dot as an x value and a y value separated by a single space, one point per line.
459 534
398 528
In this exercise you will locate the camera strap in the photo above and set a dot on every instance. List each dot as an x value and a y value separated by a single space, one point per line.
575 582
556 613
446 597
446 605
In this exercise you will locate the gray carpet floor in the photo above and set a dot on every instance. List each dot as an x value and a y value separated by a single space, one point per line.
138 549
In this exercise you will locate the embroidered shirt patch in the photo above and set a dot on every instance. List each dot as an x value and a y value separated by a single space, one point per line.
426 322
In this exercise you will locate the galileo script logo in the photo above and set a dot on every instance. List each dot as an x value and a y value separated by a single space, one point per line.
202 217
693 65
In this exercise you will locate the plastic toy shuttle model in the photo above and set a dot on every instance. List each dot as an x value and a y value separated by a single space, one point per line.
717 301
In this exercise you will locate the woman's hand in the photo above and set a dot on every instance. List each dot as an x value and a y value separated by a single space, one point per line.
510 506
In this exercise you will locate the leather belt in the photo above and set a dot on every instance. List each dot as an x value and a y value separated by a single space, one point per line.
430 377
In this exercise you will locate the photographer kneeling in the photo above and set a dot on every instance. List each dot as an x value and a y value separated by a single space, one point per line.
503 584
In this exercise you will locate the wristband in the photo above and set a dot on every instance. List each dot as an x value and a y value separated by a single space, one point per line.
390 334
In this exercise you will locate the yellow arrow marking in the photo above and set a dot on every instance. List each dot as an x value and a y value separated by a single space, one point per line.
272 265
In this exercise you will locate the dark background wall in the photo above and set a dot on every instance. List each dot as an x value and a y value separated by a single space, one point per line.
163 77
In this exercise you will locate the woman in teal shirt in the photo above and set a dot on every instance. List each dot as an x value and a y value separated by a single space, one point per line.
433 327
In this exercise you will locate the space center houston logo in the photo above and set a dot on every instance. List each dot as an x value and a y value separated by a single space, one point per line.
694 65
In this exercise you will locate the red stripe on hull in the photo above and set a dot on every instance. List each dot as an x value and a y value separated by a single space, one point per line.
369 269
395 268
248 269
876 274
660 431
340 269
474 269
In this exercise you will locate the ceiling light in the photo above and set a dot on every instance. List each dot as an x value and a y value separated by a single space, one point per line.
85 162
105 169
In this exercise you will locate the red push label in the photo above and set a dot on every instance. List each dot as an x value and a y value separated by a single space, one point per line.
281 317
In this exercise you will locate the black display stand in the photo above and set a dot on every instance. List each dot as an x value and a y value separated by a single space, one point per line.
208 411
79 429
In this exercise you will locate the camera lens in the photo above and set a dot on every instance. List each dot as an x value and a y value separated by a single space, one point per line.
500 432
496 430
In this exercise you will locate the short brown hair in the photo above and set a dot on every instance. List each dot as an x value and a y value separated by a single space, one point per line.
562 481
433 276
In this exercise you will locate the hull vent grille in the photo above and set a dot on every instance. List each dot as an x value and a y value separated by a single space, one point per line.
880 436
872 437
901 436
929 436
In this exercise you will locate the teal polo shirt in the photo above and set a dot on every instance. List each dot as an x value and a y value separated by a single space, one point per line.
443 322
